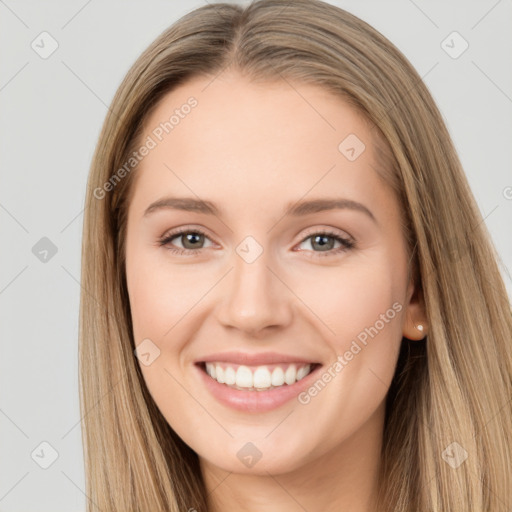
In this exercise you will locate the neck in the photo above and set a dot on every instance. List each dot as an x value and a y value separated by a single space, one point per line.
345 477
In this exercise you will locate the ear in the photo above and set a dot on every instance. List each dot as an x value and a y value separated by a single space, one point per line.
415 324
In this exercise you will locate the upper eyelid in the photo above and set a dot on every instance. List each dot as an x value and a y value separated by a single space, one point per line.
329 231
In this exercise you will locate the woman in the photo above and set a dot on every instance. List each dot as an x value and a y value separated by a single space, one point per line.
290 300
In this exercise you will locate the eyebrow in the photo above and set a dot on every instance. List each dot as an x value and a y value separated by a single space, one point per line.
296 209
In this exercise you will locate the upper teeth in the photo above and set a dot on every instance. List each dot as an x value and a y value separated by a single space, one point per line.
259 377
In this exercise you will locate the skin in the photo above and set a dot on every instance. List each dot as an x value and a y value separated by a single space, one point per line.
253 149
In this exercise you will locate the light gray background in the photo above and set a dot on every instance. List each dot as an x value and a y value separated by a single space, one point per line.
52 111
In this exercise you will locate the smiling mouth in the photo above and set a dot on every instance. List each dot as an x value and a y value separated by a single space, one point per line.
257 378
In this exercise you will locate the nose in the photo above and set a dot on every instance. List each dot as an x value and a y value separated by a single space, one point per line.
255 298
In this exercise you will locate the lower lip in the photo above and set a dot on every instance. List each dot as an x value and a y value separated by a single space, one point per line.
256 401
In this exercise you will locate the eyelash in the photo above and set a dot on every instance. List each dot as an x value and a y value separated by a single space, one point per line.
166 239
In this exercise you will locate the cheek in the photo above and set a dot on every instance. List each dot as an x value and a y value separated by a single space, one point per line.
159 296
362 306
348 300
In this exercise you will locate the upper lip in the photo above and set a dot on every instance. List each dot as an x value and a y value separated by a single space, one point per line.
245 358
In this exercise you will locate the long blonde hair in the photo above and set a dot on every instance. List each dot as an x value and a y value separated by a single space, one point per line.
454 388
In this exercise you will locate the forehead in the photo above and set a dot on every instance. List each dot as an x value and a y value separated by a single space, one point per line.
231 104
273 141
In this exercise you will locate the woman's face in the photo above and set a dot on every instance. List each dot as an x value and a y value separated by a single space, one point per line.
264 250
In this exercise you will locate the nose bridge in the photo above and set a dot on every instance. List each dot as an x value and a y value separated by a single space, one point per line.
254 297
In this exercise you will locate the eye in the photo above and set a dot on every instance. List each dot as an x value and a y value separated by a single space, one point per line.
325 241
192 239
